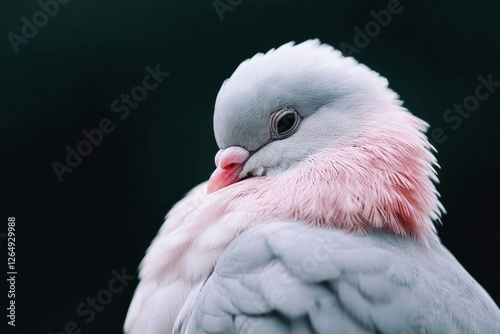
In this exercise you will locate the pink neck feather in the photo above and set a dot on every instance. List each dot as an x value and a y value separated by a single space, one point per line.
382 180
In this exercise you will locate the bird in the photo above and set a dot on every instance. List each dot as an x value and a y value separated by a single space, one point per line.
320 216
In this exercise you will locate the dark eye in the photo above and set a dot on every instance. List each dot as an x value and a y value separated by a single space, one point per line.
284 123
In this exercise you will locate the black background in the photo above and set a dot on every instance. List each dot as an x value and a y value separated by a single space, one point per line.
70 235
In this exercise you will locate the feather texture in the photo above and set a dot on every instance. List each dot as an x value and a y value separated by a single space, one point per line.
359 169
309 280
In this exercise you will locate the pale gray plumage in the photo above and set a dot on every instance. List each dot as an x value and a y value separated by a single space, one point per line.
289 278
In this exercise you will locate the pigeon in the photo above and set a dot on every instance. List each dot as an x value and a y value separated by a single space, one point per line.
319 217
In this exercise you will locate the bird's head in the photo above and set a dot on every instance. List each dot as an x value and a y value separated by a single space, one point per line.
335 128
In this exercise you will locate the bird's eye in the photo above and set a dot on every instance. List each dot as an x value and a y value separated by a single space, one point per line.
284 123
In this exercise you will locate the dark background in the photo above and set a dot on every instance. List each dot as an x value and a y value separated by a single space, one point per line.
71 235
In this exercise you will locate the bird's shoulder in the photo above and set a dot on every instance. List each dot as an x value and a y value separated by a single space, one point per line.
288 277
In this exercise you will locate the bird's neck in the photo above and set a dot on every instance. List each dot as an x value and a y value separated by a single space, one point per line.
382 179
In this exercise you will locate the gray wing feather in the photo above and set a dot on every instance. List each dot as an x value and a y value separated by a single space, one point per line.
290 278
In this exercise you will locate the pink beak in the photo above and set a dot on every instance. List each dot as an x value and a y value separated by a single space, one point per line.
229 164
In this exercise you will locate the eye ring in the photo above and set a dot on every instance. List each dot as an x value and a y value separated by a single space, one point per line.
284 123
